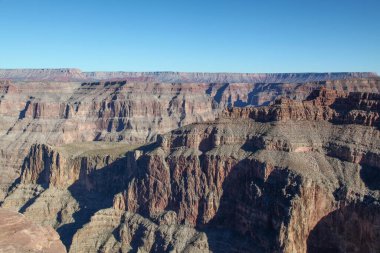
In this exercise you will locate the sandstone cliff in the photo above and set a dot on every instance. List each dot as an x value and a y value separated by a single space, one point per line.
133 110
280 178
337 107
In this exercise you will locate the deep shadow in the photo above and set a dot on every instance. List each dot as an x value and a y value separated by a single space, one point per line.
89 204
120 125
353 228
137 239
251 207
371 177
29 202
367 104
94 191
219 93
253 96
11 188
23 112
151 146
224 240
15 183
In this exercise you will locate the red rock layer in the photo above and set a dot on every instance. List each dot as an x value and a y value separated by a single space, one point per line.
269 173
337 107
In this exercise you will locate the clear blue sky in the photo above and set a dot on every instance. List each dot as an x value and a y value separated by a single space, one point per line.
191 35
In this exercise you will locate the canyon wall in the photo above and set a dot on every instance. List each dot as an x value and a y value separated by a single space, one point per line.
193 162
41 106
276 178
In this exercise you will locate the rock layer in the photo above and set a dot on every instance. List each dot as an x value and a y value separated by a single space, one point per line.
41 106
182 77
125 232
277 178
360 108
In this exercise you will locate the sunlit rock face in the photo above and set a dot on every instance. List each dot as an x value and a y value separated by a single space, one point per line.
294 176
20 235
61 106
192 162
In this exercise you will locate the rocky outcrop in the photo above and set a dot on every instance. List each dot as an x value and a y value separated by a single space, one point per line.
238 180
53 109
59 113
277 183
64 186
134 111
42 196
261 188
331 105
54 167
112 230
18 234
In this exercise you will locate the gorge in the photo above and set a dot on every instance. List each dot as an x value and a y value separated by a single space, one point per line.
193 162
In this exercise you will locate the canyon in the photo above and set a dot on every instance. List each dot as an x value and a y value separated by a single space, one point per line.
193 162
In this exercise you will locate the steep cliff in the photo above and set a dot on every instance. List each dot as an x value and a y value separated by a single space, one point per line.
134 110
124 232
278 178
337 107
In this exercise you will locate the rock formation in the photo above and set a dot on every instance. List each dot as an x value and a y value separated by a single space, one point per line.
63 106
176 77
338 107
294 176
124 232
19 235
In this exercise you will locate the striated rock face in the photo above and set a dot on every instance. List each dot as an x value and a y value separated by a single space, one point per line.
58 167
125 232
58 107
64 186
353 228
337 107
273 183
19 235
168 161
60 113
289 177
43 196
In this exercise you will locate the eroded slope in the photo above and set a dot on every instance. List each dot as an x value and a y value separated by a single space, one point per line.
20 235
278 178
52 107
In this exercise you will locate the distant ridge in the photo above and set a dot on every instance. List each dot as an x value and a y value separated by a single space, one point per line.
76 75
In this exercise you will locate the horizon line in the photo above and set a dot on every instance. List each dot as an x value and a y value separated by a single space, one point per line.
174 71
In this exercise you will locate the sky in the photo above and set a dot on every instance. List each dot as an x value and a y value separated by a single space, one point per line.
256 36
